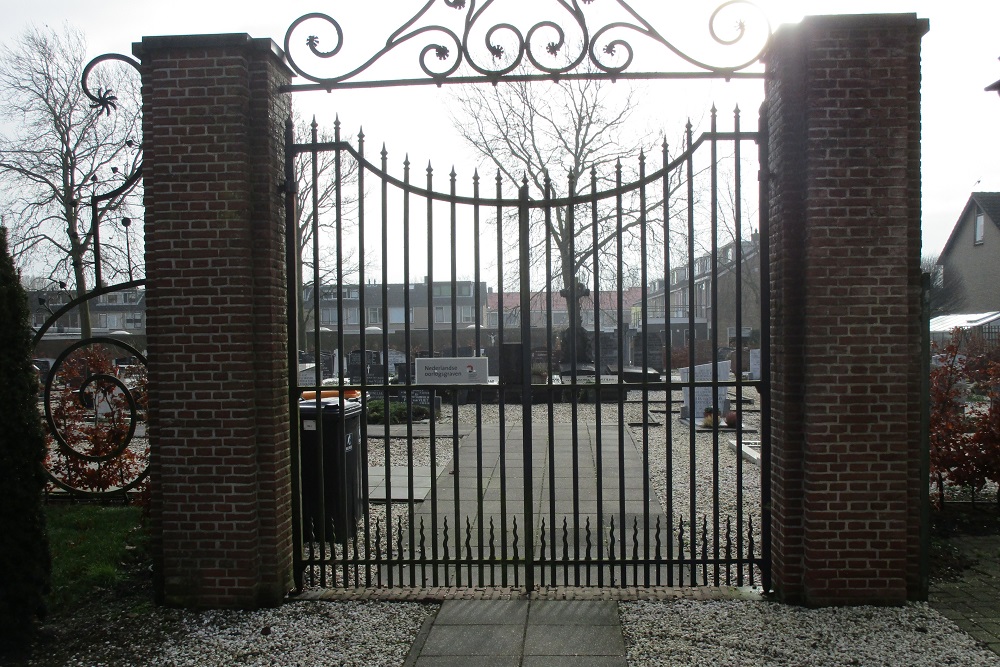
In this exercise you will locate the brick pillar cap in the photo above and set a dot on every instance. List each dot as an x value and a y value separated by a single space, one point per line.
222 40
834 21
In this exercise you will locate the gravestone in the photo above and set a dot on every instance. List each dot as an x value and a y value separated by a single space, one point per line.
755 364
703 395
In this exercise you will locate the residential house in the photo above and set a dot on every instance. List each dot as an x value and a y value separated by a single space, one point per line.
672 310
550 315
970 260
118 314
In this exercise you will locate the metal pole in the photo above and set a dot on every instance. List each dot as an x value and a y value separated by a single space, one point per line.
126 223
529 530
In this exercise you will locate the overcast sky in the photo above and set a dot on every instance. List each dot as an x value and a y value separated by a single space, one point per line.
961 122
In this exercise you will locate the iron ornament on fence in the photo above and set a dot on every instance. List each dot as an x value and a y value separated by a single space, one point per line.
574 43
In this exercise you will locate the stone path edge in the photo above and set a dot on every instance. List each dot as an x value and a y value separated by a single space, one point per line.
439 594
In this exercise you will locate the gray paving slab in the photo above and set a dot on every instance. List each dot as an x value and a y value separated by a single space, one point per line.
574 661
474 640
521 632
573 612
479 612
574 640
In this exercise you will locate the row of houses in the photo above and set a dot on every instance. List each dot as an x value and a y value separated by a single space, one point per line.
440 314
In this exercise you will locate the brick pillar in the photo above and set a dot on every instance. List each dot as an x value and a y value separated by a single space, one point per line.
215 308
843 120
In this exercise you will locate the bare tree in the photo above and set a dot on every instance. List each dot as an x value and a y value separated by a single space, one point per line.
562 137
66 163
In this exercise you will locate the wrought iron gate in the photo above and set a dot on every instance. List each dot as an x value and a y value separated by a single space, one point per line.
558 467
565 465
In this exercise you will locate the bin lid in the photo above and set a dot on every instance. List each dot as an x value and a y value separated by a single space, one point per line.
350 407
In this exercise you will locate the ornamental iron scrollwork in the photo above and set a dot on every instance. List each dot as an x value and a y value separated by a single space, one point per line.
547 49
94 402
122 181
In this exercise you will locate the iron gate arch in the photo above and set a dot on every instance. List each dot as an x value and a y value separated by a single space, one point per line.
587 531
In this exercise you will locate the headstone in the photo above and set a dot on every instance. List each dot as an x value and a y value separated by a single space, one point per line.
511 361
755 364
703 395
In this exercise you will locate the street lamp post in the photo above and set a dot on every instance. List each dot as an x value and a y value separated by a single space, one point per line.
126 223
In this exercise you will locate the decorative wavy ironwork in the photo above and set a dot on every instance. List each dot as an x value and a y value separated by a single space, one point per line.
568 45
95 409
105 101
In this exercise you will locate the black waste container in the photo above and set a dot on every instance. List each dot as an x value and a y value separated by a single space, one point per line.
335 468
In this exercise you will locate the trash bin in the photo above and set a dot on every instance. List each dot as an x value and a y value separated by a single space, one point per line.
334 468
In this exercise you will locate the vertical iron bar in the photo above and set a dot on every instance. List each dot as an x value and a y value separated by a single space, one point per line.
322 520
598 446
644 290
362 451
479 394
454 391
502 394
408 345
341 423
692 344
715 345
668 420
430 351
619 222
549 343
385 345
577 329
524 231
738 371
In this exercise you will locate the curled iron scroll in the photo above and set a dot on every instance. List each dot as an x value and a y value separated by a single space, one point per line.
492 48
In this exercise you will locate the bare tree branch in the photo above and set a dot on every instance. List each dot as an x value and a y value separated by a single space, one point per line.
60 154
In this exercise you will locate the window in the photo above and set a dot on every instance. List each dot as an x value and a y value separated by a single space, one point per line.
466 314
375 315
980 227
397 315
328 316
442 314
352 315
133 321
110 320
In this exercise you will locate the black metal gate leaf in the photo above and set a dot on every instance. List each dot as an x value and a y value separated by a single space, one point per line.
544 473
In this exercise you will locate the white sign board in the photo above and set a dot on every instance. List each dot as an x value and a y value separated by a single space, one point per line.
755 364
452 370
703 395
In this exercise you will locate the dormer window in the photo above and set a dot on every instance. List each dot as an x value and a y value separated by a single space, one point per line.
980 227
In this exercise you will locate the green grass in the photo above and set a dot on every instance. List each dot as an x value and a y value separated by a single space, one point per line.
93 548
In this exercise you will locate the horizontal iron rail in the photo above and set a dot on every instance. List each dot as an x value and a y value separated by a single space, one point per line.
725 74
583 198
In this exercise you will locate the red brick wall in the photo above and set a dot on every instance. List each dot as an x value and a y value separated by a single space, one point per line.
218 413
843 118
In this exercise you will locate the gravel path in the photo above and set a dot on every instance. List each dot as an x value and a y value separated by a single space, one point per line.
361 634
678 632
736 634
